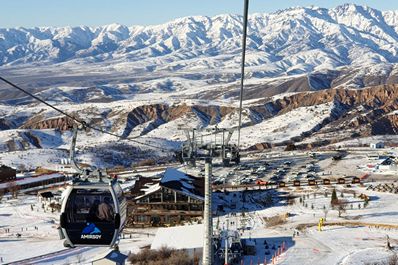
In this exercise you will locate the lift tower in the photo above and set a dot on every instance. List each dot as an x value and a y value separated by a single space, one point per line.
213 142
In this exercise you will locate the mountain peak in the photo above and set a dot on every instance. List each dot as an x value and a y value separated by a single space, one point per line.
351 8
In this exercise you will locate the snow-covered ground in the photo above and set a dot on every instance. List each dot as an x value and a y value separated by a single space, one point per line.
285 126
31 159
17 216
336 244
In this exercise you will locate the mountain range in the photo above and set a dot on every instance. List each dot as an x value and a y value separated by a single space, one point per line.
315 76
291 41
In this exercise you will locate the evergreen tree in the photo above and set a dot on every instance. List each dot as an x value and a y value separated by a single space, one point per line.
334 201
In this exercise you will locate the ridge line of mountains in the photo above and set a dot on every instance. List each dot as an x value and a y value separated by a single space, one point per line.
291 41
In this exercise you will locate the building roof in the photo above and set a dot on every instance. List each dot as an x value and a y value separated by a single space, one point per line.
388 161
380 142
47 194
183 183
176 237
113 256
33 180
4 167
141 184
177 181
151 189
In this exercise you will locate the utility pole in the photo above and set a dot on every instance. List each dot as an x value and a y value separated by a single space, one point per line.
226 244
244 39
208 222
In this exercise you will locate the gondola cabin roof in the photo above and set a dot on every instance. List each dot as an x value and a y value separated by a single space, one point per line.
93 184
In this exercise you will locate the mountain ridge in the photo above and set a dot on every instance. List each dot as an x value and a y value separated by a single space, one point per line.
291 41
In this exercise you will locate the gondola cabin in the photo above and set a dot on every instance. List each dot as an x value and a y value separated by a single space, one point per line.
326 181
341 181
282 184
356 180
311 182
296 183
93 213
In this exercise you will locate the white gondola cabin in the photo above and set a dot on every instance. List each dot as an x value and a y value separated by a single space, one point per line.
93 213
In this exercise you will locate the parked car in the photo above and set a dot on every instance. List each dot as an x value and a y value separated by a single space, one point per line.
261 182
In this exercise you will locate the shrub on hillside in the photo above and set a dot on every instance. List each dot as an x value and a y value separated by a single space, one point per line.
161 256
146 162
290 147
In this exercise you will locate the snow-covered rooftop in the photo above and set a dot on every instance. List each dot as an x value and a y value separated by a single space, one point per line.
184 183
32 180
178 181
149 190
176 237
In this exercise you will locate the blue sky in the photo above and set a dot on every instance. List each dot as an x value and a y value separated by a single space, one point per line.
29 13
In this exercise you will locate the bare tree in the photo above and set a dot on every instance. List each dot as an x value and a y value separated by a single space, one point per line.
21 167
393 260
341 207
13 188
325 211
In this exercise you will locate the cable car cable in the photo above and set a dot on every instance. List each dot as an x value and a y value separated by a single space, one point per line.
80 121
39 99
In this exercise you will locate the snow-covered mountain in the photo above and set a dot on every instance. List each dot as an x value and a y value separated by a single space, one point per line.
292 41
146 82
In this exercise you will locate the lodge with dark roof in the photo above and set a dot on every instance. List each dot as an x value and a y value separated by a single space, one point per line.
175 198
7 174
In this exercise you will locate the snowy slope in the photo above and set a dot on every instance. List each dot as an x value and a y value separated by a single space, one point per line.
286 126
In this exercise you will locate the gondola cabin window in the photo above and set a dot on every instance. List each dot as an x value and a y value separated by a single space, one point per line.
90 206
